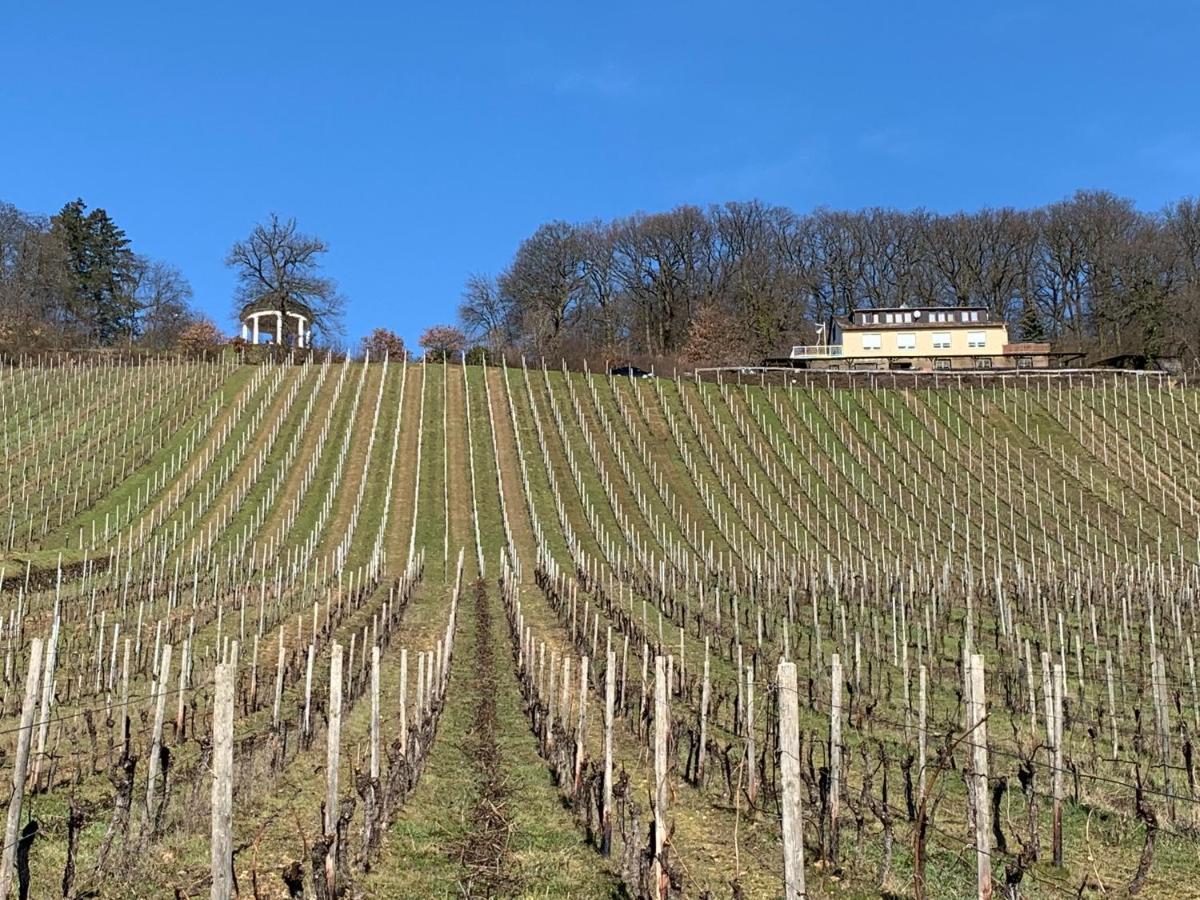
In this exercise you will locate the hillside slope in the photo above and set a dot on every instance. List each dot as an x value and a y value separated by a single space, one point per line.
496 527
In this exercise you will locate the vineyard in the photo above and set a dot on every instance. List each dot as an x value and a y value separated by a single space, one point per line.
331 629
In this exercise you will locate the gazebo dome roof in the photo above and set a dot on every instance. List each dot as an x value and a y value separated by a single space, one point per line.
271 304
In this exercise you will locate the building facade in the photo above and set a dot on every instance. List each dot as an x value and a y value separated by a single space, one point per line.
923 338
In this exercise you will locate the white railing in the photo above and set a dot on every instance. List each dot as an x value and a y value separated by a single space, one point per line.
803 351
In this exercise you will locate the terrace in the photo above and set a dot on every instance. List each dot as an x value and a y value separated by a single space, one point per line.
816 351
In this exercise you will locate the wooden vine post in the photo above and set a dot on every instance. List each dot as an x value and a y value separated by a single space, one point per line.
160 701
751 752
977 712
835 757
21 766
404 701
610 696
661 736
222 786
332 763
789 767
922 729
1057 755
47 686
375 712
275 707
705 692
581 725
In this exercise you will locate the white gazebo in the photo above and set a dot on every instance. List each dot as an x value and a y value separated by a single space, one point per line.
267 321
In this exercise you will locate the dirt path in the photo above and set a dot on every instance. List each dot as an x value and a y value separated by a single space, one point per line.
484 851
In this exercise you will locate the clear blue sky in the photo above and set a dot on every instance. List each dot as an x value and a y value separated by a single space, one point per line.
424 142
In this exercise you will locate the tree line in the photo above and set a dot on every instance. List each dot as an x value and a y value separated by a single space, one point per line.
73 280
742 281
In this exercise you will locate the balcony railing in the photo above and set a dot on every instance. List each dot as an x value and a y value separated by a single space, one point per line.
821 351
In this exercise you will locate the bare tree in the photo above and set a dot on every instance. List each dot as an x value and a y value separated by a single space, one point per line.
163 297
758 281
1181 224
33 283
603 306
486 313
547 283
666 267
280 267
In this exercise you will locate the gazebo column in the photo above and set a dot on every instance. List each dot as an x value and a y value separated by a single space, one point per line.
301 322
254 318
279 328
245 332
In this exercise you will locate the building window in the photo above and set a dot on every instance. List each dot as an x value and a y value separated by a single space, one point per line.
984 362
907 317
1024 362
976 339
872 341
974 316
875 319
887 318
941 340
906 340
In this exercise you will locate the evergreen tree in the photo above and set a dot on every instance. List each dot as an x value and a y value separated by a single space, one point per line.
1030 324
101 274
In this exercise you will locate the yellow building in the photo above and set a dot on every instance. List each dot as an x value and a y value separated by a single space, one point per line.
928 337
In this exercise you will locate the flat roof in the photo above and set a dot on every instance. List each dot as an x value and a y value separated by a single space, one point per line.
921 323
922 307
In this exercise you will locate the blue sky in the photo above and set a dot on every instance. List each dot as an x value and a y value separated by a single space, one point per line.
425 141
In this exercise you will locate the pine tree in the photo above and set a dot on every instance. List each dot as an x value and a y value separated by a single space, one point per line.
1030 324
101 274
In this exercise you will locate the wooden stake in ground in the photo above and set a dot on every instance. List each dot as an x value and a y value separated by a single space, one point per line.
48 699
222 787
610 697
661 736
125 737
751 753
1057 749
705 691
404 701
375 712
334 743
308 675
789 767
581 728
21 765
977 717
835 757
922 729
275 708
160 701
